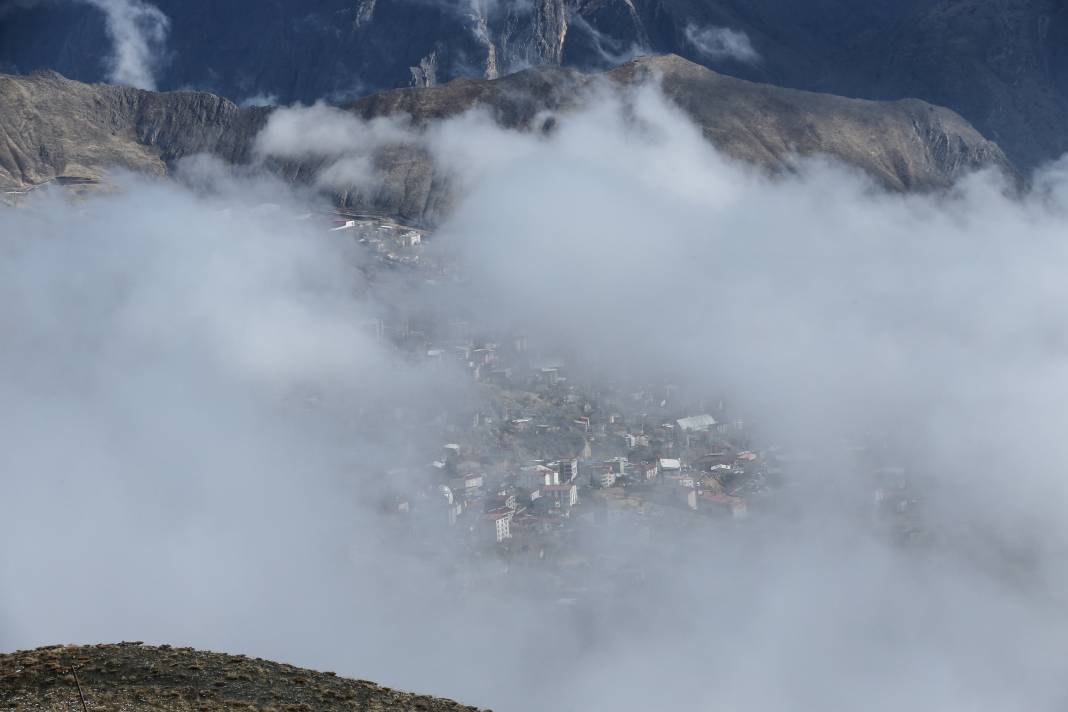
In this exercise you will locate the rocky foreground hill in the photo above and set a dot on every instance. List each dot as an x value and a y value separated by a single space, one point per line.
135 677
53 127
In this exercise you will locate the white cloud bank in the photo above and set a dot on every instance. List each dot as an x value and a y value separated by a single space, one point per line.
321 132
184 388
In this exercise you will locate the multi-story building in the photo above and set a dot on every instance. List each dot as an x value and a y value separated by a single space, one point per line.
568 469
537 476
602 477
563 496
499 524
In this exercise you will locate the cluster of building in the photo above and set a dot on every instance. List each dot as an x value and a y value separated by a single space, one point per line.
489 496
551 445
392 243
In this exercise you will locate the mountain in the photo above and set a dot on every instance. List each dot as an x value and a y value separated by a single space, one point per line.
1002 64
55 127
135 677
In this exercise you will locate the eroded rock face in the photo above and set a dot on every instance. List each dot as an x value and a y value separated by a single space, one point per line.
530 37
135 677
51 126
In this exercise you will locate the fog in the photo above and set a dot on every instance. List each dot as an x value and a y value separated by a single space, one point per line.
197 425
138 32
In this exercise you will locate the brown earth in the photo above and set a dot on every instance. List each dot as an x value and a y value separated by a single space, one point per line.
133 677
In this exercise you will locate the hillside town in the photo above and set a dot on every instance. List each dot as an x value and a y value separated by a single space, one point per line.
549 452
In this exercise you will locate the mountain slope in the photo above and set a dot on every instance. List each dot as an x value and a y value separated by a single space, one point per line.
51 126
1002 64
315 48
135 677
904 144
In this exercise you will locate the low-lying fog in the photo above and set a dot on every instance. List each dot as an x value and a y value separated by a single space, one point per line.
193 416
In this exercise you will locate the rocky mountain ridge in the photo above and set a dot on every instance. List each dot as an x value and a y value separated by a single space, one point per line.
51 127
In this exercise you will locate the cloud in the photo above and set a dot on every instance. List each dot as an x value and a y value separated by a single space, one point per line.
261 99
196 429
138 31
610 50
220 341
345 145
912 324
722 43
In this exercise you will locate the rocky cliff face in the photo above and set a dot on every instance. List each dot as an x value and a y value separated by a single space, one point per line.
51 126
1002 64
534 36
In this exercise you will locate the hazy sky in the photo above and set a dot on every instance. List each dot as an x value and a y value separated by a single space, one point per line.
193 418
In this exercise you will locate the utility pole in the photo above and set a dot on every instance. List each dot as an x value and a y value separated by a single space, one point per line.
74 671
